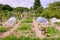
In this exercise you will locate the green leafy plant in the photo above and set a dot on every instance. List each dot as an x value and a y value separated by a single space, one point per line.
57 23
20 38
4 29
51 30
24 27
27 20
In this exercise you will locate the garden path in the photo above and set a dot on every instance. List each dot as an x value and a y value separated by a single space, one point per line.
13 29
36 30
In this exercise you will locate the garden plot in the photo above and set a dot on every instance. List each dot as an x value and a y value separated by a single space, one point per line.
6 31
24 30
33 31
28 20
3 30
45 31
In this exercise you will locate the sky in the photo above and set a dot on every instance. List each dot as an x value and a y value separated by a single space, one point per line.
25 3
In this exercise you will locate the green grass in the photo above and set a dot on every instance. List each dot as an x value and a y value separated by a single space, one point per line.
20 38
27 21
24 27
57 23
10 38
27 38
4 29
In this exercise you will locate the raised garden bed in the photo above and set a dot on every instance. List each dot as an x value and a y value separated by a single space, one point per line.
49 31
45 31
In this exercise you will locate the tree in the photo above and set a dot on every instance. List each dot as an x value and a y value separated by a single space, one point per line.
7 7
55 5
39 10
36 4
21 9
1 6
52 11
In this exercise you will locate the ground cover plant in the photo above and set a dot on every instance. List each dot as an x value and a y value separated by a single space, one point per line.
24 27
28 20
51 30
4 29
20 38
27 38
57 23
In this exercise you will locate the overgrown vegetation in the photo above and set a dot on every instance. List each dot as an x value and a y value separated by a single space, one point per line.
57 23
27 38
24 27
53 10
51 30
29 20
20 38
4 29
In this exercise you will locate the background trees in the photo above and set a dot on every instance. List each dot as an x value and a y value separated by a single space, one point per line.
52 11
37 7
36 4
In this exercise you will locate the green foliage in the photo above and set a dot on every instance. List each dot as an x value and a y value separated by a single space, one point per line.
24 27
52 11
6 11
21 9
7 7
20 38
39 9
4 14
1 6
36 4
4 29
57 23
50 38
27 38
28 20
51 30
10 38
37 14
